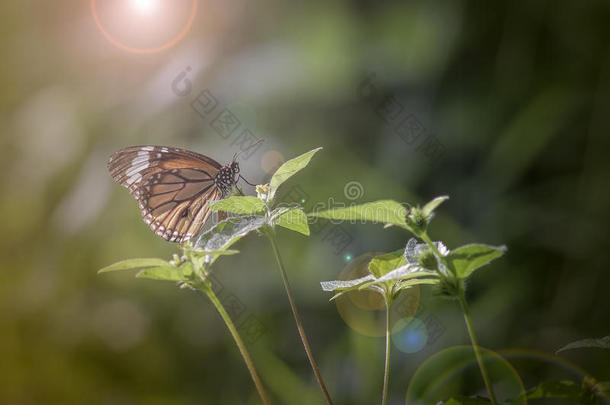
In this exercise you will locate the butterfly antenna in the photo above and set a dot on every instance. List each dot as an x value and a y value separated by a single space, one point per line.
242 177
247 149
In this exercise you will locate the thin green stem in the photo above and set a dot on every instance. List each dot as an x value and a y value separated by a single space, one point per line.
475 346
314 366
464 305
430 244
386 372
240 344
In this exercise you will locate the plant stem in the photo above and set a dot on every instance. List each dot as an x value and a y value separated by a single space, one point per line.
314 366
464 305
386 372
240 344
475 346
430 244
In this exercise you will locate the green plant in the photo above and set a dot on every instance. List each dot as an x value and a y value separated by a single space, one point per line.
264 209
421 262
428 263
192 270
259 214
601 343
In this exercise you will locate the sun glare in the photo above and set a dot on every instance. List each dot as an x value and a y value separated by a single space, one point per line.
145 22
145 6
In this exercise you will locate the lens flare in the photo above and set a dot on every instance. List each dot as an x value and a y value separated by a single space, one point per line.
364 311
271 161
552 365
145 6
443 374
127 24
409 335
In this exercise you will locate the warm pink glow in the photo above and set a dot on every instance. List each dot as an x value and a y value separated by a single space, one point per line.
148 9
145 6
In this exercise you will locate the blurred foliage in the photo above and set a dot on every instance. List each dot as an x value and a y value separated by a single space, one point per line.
516 92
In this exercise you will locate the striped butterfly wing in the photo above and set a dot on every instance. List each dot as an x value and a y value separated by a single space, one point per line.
173 187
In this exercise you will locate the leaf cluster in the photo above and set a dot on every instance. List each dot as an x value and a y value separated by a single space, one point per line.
418 263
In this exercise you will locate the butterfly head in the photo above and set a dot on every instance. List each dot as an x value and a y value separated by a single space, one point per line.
227 177
234 167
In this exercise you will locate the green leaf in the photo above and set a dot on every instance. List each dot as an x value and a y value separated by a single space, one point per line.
559 389
227 232
281 210
295 220
289 169
337 295
388 273
167 273
407 273
337 285
383 211
432 205
403 285
467 401
603 388
340 285
245 205
410 275
131 264
601 343
215 252
466 259
210 257
344 286
577 392
385 263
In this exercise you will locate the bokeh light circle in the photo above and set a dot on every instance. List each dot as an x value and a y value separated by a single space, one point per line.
144 50
442 375
409 335
271 161
364 311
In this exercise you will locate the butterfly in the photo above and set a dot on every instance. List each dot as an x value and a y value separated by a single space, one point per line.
173 187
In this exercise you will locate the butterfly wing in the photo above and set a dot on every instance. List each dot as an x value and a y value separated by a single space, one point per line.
173 187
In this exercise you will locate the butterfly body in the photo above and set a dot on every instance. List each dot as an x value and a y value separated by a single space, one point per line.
227 177
173 186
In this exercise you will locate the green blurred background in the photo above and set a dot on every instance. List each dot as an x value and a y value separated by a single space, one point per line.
507 105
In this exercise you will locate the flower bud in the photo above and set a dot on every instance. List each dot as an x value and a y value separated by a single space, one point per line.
449 286
262 190
417 220
176 260
427 260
